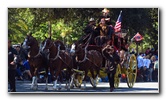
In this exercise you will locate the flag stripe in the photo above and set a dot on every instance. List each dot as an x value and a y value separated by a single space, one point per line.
117 26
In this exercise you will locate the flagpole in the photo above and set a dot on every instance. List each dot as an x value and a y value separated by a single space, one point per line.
120 34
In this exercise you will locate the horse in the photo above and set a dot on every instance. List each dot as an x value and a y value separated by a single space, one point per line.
87 60
58 61
36 60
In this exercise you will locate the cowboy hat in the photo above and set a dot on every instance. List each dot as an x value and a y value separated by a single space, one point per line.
105 10
91 19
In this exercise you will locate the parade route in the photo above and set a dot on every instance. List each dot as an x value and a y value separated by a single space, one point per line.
102 87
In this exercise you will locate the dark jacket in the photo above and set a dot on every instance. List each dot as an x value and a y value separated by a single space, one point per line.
89 29
111 61
11 53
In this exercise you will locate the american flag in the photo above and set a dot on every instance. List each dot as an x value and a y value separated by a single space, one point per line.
118 23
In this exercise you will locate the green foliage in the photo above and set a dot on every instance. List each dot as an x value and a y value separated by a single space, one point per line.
67 24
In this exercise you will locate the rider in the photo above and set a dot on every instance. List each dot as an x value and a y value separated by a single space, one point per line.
90 29
105 27
112 60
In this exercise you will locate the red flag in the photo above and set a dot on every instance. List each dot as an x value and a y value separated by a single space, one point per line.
138 37
118 23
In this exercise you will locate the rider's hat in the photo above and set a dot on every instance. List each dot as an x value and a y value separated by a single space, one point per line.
105 10
91 19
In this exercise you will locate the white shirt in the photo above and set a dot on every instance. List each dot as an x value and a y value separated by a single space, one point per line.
140 61
147 62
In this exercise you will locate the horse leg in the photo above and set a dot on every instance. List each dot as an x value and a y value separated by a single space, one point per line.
84 80
33 77
60 80
46 76
93 77
56 79
53 77
68 77
97 73
34 80
72 81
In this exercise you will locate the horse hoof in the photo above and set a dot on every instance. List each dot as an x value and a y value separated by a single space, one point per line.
34 88
94 87
55 89
71 87
82 88
59 88
68 89
46 88
79 86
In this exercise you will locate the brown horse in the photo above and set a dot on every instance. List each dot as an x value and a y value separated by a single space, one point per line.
36 60
87 60
58 61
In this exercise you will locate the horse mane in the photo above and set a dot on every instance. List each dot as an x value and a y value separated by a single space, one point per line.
33 38
58 41
62 46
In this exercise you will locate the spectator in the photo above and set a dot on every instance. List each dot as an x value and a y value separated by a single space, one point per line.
146 68
155 71
11 67
147 51
153 59
27 68
140 61
19 66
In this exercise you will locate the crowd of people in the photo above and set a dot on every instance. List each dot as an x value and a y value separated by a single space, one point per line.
15 68
148 65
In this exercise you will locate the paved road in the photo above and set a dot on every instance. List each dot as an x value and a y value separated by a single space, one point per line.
102 87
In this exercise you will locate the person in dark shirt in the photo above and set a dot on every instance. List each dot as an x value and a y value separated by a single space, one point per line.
90 29
105 28
112 60
11 66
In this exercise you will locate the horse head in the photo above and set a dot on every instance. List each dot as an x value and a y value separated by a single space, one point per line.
59 43
29 41
48 43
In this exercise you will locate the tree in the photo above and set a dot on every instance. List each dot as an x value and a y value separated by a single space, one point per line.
68 23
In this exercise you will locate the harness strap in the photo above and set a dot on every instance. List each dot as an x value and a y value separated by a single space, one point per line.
91 60
37 55
58 56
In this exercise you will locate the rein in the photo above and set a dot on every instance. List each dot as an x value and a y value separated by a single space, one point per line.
37 55
58 56
85 57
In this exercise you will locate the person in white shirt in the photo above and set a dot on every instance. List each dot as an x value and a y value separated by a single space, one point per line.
147 63
140 61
